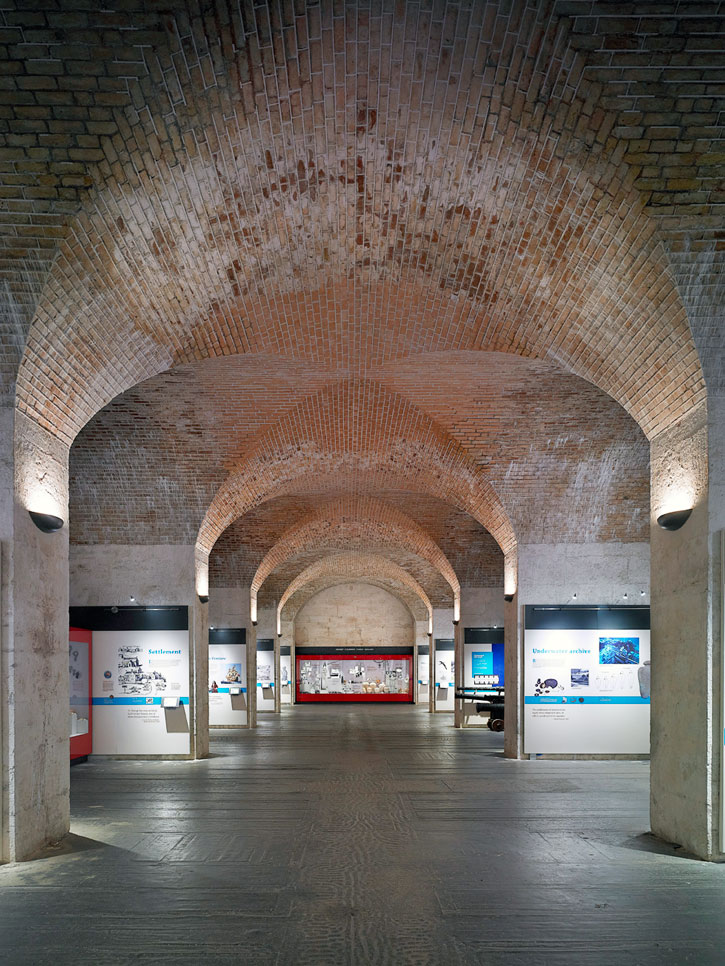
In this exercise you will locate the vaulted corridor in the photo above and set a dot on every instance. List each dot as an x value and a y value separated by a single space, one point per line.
362 835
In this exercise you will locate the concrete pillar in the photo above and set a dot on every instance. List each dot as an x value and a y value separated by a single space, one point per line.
431 676
687 642
458 678
199 667
277 674
252 675
35 690
513 635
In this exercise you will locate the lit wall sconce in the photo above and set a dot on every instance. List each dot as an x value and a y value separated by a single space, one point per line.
204 598
674 520
508 597
46 522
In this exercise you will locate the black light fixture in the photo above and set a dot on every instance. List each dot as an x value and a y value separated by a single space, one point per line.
204 598
46 521
674 520
508 597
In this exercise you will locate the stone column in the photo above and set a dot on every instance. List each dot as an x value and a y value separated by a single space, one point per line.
513 635
686 708
277 674
431 676
199 666
35 688
252 675
458 657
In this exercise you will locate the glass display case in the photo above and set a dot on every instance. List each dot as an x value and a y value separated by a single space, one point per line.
354 677
79 672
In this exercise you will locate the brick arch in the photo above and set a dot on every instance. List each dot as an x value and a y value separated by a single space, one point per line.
355 436
232 224
359 522
339 568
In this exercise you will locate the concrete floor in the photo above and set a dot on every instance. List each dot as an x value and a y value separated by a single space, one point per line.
362 835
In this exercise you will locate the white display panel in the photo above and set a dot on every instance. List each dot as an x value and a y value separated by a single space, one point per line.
78 660
133 671
444 679
586 691
285 671
227 685
265 680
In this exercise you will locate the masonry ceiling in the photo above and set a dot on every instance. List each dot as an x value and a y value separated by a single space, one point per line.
459 257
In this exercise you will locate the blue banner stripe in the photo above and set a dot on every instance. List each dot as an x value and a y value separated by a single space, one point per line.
227 691
551 699
135 700
260 685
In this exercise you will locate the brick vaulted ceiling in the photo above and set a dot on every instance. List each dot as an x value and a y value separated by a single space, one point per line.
459 256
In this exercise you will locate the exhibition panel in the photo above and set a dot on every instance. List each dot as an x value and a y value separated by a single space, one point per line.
359 674
444 674
265 674
227 677
423 673
285 673
140 679
80 644
586 680
483 656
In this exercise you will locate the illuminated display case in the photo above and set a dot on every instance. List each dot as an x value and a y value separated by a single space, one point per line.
79 671
354 676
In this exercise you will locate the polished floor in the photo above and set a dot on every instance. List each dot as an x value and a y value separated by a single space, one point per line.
362 835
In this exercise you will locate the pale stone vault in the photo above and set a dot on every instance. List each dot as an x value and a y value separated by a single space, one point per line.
426 295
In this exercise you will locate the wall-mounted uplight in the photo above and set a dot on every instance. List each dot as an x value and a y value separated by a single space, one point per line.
508 597
47 522
204 598
674 520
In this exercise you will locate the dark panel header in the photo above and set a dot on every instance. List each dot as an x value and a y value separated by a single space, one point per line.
581 617
130 618
483 635
265 644
228 635
393 651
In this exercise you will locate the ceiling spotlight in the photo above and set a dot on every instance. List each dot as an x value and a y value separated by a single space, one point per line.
674 520
641 593
46 521
573 596
132 599
625 596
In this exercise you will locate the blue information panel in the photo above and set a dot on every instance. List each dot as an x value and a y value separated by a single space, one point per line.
482 662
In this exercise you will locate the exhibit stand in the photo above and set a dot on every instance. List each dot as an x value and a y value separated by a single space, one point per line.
265 674
140 680
228 677
443 679
370 674
586 680
482 669
285 674
80 664
423 673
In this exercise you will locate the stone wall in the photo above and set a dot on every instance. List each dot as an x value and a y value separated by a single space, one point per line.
354 614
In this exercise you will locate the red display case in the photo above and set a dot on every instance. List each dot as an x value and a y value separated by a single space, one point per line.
354 677
80 646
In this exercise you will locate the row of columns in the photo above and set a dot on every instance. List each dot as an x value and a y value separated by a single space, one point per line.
688 467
